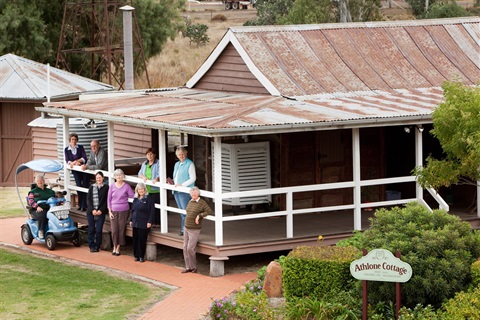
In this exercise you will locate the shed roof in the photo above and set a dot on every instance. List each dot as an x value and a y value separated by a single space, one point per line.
24 79
304 60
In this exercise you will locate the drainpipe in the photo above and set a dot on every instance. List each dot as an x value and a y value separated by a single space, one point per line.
128 46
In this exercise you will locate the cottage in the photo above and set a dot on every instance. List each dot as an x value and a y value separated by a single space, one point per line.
322 122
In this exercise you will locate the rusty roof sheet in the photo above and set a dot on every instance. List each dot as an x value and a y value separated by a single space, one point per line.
218 113
25 79
349 57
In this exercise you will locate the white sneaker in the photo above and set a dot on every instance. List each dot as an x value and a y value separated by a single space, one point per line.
40 234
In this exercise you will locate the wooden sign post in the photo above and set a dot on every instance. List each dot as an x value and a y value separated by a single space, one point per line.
380 265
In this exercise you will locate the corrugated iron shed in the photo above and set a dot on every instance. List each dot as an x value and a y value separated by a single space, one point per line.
348 57
24 79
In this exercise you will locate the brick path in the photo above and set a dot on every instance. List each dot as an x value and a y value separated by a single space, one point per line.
190 300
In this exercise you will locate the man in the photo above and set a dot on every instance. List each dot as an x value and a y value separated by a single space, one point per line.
38 211
97 160
197 209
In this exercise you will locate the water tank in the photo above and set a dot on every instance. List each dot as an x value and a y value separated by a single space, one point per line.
85 136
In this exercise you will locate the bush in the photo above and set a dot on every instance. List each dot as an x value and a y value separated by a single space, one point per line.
222 309
465 305
197 33
446 10
476 273
317 270
439 247
419 312
253 306
219 17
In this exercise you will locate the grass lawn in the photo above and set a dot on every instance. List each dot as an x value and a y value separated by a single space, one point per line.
10 204
39 288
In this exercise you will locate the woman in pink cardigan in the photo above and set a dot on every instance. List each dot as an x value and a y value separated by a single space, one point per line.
119 209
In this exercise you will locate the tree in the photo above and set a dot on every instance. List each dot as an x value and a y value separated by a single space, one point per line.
31 28
447 10
271 12
456 124
197 33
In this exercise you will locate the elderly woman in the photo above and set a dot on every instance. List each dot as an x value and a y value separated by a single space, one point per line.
183 175
75 155
96 211
39 210
150 170
118 209
141 222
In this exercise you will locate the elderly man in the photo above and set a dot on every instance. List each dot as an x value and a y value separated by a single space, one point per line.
97 160
197 209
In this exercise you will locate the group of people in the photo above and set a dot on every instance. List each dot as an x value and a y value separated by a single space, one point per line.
113 199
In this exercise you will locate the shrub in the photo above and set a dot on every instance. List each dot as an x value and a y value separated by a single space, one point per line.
439 247
219 17
446 10
311 308
465 305
419 312
222 309
197 33
317 270
253 306
353 241
476 273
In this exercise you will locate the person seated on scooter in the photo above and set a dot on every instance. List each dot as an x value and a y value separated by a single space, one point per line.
39 211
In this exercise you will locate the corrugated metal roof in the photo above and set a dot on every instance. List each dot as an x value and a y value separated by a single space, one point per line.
219 113
25 79
344 57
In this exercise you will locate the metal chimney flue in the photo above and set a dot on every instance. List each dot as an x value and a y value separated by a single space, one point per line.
128 46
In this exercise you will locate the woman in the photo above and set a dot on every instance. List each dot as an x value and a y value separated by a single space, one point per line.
150 170
75 155
96 211
39 210
183 175
143 210
118 209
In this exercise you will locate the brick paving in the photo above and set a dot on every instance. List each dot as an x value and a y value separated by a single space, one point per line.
191 295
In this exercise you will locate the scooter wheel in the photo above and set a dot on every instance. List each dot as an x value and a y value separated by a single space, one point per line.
77 242
51 242
27 237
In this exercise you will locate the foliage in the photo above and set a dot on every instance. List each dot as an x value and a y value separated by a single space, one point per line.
418 313
446 10
31 29
42 288
222 309
476 273
439 247
353 241
197 33
22 30
465 305
275 12
253 306
317 270
418 6
456 123
334 305
270 11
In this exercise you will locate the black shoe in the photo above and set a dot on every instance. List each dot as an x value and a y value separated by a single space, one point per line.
186 270
92 250
96 250
180 233
117 253
142 260
79 209
136 259
114 253
194 270
84 209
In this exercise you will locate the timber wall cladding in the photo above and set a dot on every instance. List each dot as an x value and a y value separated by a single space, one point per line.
131 142
230 73
15 140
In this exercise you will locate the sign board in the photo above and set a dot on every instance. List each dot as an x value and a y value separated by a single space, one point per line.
381 265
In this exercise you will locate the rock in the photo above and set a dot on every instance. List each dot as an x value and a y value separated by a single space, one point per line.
273 280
